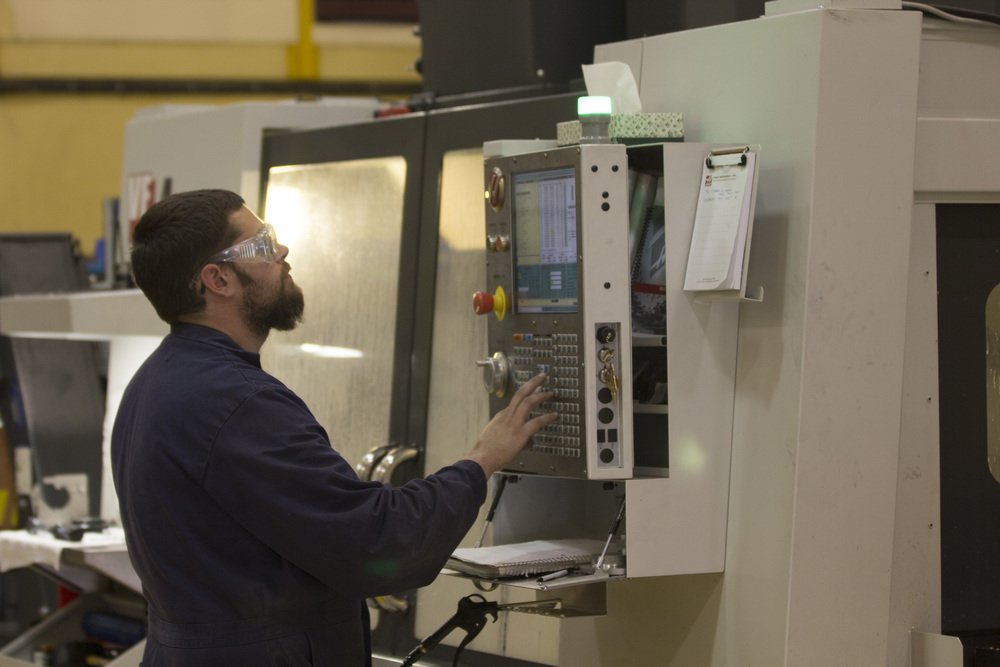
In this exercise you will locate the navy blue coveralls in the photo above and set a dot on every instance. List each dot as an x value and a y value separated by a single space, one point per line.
256 542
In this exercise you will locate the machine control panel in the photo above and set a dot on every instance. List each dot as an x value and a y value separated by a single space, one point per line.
557 295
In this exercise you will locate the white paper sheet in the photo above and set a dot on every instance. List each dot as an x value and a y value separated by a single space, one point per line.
715 261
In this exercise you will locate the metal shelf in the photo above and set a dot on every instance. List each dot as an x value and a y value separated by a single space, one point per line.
97 315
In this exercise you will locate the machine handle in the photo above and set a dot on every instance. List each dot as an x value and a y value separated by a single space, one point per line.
387 466
368 462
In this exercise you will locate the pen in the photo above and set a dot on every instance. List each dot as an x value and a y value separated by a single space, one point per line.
553 575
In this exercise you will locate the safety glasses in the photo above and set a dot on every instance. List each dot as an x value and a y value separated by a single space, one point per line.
261 247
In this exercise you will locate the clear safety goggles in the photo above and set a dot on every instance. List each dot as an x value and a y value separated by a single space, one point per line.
261 247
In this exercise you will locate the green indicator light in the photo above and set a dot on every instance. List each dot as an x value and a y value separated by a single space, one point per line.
587 106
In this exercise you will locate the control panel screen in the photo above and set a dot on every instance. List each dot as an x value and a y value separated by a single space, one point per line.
545 252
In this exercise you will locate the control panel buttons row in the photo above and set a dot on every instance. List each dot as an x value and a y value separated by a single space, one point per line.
558 371
557 392
553 383
560 440
565 419
525 356
565 393
564 409
554 339
557 451
561 428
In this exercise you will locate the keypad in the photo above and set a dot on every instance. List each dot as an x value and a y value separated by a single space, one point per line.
557 355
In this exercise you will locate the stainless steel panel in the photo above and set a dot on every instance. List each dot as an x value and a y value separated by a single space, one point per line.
458 406
342 222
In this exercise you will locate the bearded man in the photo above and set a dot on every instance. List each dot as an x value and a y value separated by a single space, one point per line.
255 541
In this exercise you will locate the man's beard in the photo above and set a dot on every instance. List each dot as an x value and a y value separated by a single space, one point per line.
281 309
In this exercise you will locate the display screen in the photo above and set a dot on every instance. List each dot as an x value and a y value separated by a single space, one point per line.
545 253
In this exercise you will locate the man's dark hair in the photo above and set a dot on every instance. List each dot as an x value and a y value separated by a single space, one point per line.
173 240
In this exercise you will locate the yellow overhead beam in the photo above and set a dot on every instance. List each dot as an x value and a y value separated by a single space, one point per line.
303 58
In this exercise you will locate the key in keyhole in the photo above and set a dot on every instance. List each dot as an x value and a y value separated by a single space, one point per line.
610 380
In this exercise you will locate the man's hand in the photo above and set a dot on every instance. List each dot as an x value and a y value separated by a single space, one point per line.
510 430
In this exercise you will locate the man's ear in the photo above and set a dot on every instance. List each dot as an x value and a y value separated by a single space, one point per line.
217 280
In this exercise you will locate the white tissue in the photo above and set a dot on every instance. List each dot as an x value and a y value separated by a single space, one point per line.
614 80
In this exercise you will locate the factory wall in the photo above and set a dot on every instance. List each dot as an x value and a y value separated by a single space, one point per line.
61 151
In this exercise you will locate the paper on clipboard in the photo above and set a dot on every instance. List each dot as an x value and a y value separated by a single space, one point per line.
721 221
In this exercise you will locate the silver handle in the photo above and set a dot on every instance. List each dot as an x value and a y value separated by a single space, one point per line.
391 461
496 373
369 461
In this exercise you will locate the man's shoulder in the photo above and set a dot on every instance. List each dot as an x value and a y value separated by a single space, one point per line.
184 375
194 388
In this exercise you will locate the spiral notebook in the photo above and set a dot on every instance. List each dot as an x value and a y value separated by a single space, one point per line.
525 558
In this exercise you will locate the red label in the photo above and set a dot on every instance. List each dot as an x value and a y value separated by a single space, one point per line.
140 194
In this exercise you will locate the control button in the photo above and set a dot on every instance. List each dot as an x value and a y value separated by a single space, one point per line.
601 435
496 303
606 415
482 303
495 189
612 435
604 396
606 334
607 455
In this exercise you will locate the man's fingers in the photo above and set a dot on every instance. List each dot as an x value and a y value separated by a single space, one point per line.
527 390
536 398
512 428
542 420
529 387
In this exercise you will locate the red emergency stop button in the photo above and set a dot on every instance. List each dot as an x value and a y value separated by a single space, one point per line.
483 302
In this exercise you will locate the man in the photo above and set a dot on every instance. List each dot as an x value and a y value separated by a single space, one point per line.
255 541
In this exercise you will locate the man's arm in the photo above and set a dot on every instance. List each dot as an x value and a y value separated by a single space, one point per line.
510 430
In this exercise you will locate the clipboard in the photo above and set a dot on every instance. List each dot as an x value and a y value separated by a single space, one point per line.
723 227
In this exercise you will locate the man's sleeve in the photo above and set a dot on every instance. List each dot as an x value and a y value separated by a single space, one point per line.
274 471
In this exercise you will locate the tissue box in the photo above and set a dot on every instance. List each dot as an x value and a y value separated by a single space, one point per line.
630 128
